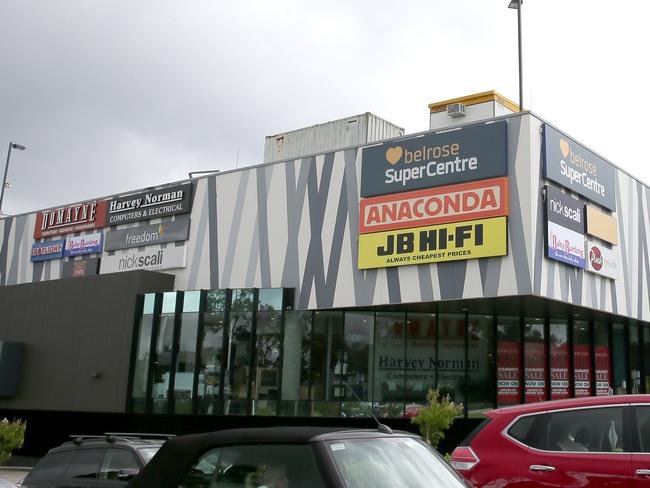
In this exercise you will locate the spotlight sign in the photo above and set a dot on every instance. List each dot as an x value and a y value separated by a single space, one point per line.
469 153
574 166
436 243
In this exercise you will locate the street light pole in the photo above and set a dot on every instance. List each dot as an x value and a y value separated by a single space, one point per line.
517 4
18 147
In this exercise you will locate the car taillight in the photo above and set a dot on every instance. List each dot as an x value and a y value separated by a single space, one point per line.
463 458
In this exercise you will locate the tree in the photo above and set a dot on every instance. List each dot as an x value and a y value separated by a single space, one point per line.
12 435
434 419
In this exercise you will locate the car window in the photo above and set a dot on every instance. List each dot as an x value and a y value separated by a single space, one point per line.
85 463
643 422
530 430
148 452
255 466
118 461
586 430
52 466
391 462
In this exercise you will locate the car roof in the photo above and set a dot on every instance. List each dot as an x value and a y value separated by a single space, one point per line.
525 408
88 441
177 455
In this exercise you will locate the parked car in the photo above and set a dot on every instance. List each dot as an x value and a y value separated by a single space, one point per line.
298 457
109 460
586 442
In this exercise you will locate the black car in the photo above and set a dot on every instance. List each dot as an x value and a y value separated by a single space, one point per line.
297 457
109 460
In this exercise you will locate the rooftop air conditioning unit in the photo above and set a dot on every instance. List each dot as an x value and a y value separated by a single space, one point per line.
456 110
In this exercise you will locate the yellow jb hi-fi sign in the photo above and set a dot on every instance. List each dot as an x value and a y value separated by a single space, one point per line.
436 243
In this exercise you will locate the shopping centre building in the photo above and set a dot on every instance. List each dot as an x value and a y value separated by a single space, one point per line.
493 257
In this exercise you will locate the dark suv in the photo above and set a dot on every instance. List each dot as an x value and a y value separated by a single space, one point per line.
108 460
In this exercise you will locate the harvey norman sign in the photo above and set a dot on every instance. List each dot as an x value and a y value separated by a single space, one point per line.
149 235
467 154
574 166
148 205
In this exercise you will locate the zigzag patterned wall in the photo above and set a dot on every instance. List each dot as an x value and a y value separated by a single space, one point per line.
295 224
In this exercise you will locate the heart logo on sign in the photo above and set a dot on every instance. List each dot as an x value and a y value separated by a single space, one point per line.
394 154
564 147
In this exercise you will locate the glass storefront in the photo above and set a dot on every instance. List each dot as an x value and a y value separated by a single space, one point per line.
246 352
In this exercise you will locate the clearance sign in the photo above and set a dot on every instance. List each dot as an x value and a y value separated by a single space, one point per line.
447 242
455 203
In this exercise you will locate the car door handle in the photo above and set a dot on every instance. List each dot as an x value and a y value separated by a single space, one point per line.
541 467
643 472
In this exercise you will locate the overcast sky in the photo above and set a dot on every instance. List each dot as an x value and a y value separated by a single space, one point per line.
111 95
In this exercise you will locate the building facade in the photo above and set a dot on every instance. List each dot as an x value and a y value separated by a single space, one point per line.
497 259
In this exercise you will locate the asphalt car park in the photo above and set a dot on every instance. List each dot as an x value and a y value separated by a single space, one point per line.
298 457
580 442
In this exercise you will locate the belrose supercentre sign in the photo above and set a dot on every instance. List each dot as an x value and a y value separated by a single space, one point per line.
435 159
148 205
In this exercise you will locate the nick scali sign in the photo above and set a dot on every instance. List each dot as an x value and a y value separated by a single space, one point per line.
149 205
435 159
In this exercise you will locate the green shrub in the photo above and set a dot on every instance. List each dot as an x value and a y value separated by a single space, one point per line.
434 419
12 435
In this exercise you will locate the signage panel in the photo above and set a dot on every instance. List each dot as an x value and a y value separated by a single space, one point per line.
149 205
436 243
602 261
67 220
574 166
88 244
149 235
468 154
564 210
565 245
467 201
602 225
80 268
152 260
44 251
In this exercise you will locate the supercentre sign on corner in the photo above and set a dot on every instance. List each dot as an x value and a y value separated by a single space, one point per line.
469 153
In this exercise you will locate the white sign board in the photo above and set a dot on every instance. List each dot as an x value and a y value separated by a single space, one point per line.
151 260
602 261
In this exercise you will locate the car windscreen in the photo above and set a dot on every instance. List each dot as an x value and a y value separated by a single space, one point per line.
390 462
148 452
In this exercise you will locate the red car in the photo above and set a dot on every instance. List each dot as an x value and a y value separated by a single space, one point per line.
592 441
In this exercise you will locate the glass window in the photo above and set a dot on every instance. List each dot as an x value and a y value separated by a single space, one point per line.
270 299
535 362
602 360
296 363
646 357
163 359
255 465
117 460
451 356
357 361
86 463
508 361
558 342
390 350
186 355
327 363
588 430
643 423
581 358
239 355
421 367
141 366
209 386
530 430
52 466
619 351
266 382
481 364
635 359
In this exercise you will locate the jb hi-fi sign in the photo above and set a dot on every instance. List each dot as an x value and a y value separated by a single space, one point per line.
67 220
